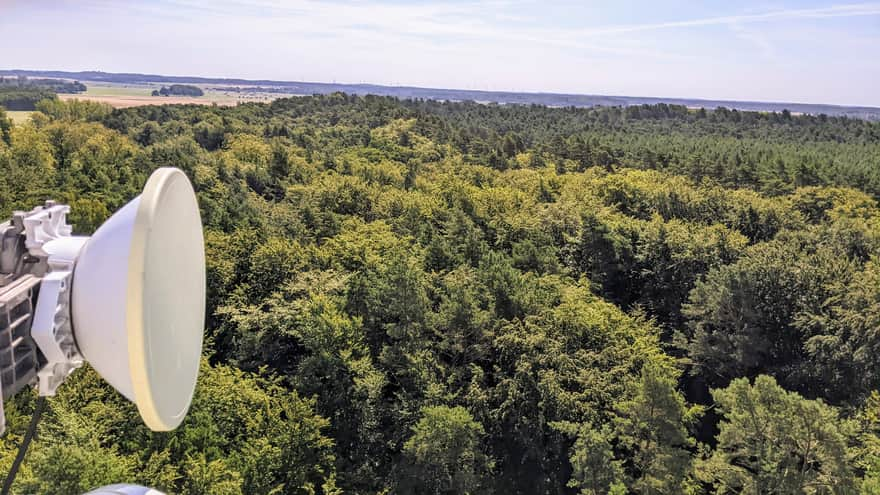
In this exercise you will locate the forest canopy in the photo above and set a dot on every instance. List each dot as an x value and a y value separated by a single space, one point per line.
417 297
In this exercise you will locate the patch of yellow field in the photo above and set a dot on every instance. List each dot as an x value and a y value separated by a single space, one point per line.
125 101
19 116
120 90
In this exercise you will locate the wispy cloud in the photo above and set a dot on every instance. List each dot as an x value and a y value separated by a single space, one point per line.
452 21
437 24
851 10
754 38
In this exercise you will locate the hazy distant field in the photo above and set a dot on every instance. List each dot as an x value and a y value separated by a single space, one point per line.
130 95
19 117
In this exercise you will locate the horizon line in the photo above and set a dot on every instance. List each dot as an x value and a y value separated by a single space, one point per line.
429 88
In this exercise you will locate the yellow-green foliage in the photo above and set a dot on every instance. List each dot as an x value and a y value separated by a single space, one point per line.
255 440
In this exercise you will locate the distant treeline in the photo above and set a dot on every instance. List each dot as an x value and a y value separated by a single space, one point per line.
261 89
178 90
55 85
23 98
22 93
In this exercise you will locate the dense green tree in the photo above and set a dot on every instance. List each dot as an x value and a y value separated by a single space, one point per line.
774 441
743 318
73 110
444 454
5 127
258 440
652 428
29 168
869 453
841 337
594 469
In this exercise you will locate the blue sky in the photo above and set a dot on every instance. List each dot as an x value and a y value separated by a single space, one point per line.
806 51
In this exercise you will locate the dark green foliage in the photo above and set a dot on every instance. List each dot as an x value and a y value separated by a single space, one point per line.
179 90
5 127
594 469
774 441
652 429
444 454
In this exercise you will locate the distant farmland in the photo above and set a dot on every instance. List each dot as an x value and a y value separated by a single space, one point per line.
135 95
125 95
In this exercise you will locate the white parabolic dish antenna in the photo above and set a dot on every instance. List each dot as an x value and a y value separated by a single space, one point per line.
138 299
